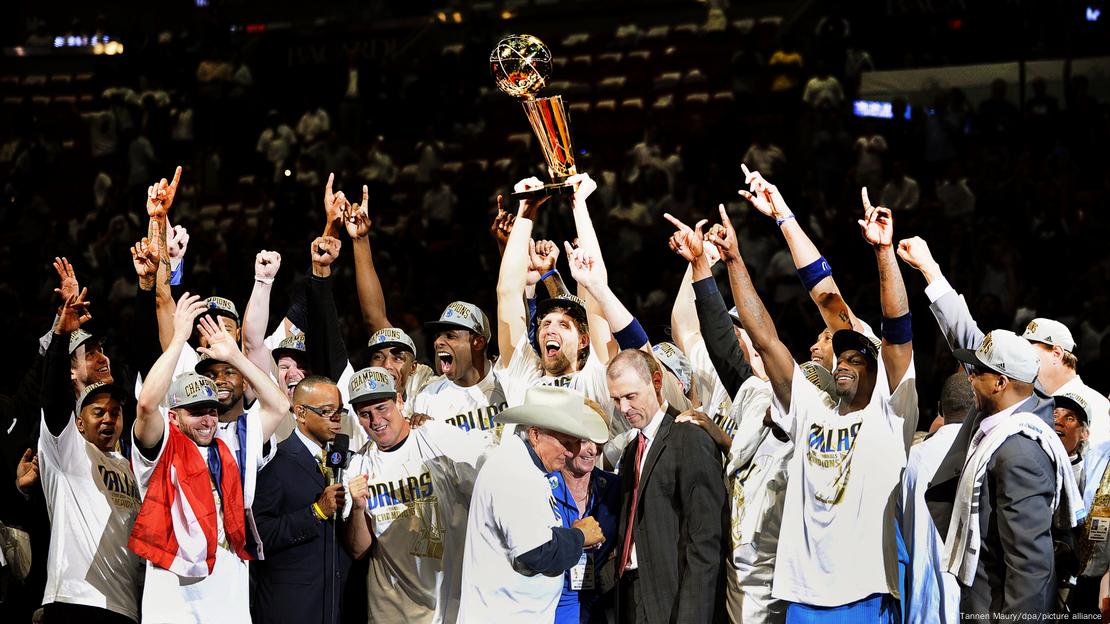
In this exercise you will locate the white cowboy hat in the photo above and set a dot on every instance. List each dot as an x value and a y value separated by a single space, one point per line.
557 409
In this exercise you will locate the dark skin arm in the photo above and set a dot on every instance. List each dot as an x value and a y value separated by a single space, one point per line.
878 230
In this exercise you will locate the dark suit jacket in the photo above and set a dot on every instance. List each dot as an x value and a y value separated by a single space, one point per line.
681 520
1016 572
301 579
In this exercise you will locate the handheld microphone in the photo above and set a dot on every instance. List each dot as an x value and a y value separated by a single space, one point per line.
339 455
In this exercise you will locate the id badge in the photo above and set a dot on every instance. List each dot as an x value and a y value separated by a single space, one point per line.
1099 522
582 574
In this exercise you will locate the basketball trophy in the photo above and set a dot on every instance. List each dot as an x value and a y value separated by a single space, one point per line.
521 65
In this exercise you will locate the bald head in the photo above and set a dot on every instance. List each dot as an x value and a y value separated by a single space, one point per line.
308 385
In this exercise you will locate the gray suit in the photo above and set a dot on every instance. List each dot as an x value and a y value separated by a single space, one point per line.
1016 572
681 525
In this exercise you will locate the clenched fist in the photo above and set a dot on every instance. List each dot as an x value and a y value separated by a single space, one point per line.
591 529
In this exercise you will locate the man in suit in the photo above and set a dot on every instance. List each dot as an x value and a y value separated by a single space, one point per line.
1016 570
295 507
672 521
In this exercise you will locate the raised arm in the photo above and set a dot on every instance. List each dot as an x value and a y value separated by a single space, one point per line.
371 299
951 311
777 360
511 279
222 347
158 201
602 343
148 420
813 269
585 268
713 323
877 226
327 353
57 390
257 315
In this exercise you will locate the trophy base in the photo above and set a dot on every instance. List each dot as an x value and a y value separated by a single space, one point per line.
547 190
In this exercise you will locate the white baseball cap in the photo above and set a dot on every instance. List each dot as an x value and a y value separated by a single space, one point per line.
1005 353
461 315
1049 332
372 384
391 337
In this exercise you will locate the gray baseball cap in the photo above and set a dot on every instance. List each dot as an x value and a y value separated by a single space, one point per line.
371 384
1049 332
292 346
1005 353
222 307
675 360
80 337
461 315
192 390
391 337
99 388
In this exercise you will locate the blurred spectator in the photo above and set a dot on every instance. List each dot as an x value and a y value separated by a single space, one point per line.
901 193
313 123
955 195
276 142
997 116
823 90
870 149
762 155
379 167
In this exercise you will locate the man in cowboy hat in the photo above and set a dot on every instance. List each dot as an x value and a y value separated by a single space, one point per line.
517 544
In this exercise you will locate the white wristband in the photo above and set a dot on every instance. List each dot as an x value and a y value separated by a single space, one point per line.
264 280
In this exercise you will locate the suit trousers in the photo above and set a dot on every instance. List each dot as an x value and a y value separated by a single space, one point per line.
631 603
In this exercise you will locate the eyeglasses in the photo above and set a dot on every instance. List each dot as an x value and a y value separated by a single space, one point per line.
328 414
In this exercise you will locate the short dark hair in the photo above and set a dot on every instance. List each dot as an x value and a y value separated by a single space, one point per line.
956 398
644 364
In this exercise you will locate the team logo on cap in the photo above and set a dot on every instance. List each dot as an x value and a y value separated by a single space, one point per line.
1032 327
387 334
667 349
457 309
371 380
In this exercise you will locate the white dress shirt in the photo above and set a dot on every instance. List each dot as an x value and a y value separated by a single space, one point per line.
650 433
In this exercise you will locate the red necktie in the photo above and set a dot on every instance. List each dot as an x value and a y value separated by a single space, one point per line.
626 552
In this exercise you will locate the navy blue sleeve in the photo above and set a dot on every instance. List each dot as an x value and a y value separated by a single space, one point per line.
720 341
557 556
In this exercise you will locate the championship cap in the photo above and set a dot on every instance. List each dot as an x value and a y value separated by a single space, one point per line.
675 360
370 384
391 337
99 388
575 307
80 337
1049 332
291 346
192 390
222 307
204 361
817 375
850 340
1075 403
461 315
1005 353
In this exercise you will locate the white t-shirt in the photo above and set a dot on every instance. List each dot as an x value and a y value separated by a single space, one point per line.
92 500
837 541
757 475
716 403
512 512
419 499
470 408
223 595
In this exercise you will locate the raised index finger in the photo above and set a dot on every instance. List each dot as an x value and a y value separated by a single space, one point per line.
176 177
675 222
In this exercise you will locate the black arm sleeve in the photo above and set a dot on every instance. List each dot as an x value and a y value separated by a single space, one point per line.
327 355
559 555
144 345
57 390
298 305
720 341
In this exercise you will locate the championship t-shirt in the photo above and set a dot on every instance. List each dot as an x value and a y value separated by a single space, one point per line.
837 541
419 500
469 408
715 401
223 595
92 499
